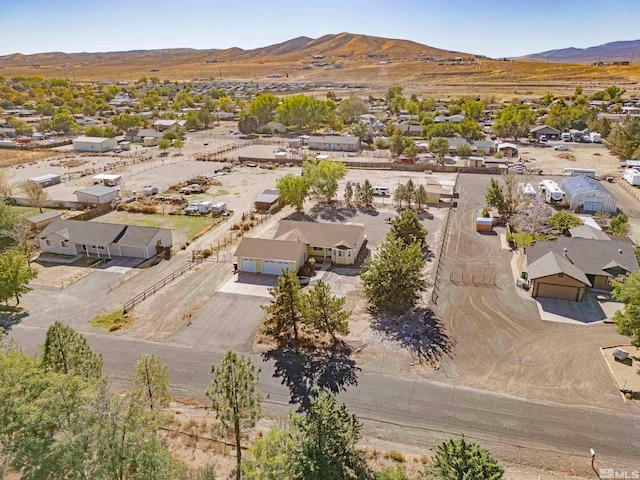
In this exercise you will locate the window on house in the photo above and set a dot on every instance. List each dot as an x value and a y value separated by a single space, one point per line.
64 243
49 243
317 249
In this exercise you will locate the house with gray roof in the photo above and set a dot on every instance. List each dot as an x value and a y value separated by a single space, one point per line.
103 240
564 268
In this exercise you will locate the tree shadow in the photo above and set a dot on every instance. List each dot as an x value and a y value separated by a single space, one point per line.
419 331
10 316
333 213
304 372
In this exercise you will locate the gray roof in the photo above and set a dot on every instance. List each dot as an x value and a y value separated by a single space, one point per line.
578 185
592 257
553 264
334 139
45 216
268 196
98 233
587 231
96 190
538 128
270 249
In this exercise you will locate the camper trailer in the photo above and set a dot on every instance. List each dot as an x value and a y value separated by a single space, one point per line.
552 191
527 189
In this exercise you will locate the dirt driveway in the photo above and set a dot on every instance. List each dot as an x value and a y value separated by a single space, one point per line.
500 342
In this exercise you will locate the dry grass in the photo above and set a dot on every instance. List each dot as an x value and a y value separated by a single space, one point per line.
113 321
11 157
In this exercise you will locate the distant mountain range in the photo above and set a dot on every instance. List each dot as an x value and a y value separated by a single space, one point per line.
302 49
609 52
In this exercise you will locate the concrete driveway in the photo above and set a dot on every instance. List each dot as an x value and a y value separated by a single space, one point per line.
121 264
585 312
251 284
226 322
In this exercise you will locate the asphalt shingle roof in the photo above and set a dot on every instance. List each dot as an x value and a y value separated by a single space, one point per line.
590 256
265 249
98 233
553 264
96 190
324 235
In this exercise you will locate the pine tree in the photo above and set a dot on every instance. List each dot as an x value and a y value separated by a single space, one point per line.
325 312
151 380
421 197
408 228
66 351
348 194
235 395
456 459
283 313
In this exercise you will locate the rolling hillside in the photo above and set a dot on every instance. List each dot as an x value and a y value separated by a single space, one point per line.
609 52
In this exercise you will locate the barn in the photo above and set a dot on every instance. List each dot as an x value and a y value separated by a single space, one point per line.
97 194
588 194
94 144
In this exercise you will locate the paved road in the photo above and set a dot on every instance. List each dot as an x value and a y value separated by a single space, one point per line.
421 406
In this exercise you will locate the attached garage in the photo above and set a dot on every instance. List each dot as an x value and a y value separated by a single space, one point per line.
248 265
561 292
270 257
271 267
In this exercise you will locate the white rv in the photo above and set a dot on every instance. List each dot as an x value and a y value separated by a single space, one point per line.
382 191
527 189
552 191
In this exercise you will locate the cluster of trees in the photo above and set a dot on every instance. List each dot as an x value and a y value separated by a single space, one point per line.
292 312
319 178
410 194
358 194
393 277
624 139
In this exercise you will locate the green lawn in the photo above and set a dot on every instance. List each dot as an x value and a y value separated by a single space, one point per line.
26 212
189 225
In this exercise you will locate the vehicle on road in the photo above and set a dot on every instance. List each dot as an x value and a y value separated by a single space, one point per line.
561 148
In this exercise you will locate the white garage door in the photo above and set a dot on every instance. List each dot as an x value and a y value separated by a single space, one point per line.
248 265
593 204
274 268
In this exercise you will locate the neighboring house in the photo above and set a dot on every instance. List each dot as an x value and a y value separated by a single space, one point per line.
94 144
38 222
549 132
457 118
138 134
270 257
104 240
589 195
367 118
411 130
566 267
8 132
510 149
97 194
339 243
478 146
268 201
334 143
162 124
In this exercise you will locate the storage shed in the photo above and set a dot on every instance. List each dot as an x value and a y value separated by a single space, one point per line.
46 180
94 144
588 194
97 194
108 179
38 222
268 201
484 224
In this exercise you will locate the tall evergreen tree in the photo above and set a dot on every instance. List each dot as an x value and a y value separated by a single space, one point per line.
235 395
66 351
324 312
283 313
151 379
408 228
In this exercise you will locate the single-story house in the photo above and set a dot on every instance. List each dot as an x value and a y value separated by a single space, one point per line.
588 194
104 240
8 132
38 222
138 134
367 118
270 257
334 143
339 243
97 194
549 132
564 268
163 124
46 180
484 147
268 200
94 144
411 130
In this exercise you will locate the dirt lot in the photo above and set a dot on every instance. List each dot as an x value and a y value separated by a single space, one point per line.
626 371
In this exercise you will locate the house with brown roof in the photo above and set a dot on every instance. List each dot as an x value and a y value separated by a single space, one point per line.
103 240
566 267
295 242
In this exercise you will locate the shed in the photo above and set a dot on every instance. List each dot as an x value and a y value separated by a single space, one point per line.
484 224
150 141
589 195
107 179
433 193
268 201
94 144
295 142
97 194
476 161
509 149
126 146
38 222
46 180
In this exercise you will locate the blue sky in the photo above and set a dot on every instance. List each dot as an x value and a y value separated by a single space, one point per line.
490 27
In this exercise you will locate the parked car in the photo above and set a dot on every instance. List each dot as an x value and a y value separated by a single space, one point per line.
561 148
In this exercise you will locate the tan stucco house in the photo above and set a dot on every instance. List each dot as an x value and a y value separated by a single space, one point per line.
103 240
566 267
295 242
